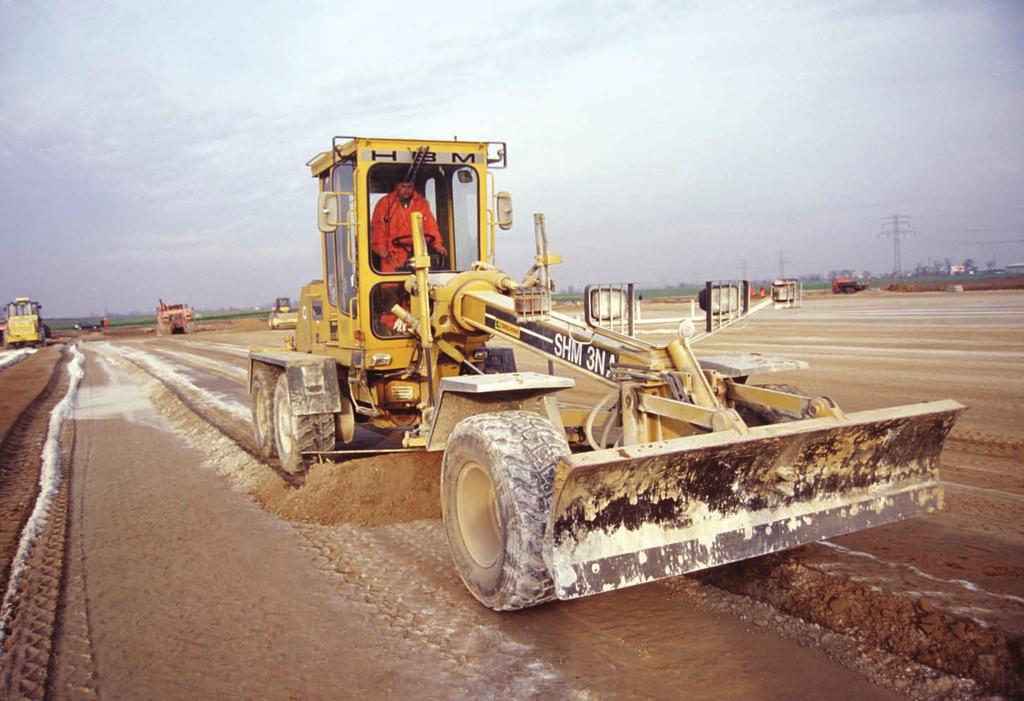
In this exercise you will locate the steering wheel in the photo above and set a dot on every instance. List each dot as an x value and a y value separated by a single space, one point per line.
438 260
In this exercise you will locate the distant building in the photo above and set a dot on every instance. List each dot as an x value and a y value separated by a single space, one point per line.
957 270
1015 268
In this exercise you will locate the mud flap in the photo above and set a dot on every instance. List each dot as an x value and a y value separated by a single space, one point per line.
626 516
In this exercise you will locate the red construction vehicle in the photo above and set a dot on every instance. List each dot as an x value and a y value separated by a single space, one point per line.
174 318
843 284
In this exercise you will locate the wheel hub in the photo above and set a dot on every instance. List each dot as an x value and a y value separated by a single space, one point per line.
477 508
283 417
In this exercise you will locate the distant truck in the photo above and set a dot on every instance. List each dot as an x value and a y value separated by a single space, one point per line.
847 285
283 315
24 325
174 318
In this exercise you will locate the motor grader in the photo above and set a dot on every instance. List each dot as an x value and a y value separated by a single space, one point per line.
24 326
282 316
684 464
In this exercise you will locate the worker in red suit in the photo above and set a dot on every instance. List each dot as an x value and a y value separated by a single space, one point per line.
391 228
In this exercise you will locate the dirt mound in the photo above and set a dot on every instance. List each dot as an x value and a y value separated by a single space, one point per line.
912 627
967 284
246 323
369 492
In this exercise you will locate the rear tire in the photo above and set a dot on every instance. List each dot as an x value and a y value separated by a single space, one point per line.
263 413
294 435
345 422
496 488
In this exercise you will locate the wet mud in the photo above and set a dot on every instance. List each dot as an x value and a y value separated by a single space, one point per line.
931 608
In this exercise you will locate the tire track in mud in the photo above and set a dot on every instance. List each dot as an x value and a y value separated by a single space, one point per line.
383 567
973 440
72 673
229 427
28 652
20 464
32 653
398 577
377 570
35 603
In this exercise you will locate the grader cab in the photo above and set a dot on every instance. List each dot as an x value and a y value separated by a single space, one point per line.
681 465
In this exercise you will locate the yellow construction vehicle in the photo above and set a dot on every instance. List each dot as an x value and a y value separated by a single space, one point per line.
682 465
25 326
282 316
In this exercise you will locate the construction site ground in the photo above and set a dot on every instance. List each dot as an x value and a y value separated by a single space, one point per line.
172 563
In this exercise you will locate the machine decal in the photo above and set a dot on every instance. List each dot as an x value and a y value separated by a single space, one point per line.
406 156
579 353
506 328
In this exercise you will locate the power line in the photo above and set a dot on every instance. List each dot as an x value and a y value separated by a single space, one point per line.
782 264
895 232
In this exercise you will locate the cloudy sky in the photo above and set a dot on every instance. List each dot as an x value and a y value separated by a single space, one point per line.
155 149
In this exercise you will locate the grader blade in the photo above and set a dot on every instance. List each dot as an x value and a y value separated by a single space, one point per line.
626 516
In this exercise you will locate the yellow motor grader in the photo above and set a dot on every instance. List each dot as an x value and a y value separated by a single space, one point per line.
282 316
684 464
24 324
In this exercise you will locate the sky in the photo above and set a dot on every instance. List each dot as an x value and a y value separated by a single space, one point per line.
157 150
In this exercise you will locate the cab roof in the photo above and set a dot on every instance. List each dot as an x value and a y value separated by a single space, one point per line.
347 147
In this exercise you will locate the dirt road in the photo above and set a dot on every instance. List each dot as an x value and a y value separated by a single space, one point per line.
175 564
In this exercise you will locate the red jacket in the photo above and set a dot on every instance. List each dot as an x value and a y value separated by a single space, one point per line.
392 224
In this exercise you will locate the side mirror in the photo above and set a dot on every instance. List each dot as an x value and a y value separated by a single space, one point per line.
503 211
328 210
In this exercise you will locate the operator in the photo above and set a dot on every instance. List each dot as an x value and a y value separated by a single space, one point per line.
391 228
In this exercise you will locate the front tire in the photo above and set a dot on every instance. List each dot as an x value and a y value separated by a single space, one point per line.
294 435
496 487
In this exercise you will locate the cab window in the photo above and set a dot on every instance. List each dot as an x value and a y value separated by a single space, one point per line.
342 181
450 192
330 259
466 217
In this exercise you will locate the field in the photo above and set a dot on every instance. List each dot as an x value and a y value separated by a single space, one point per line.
160 558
